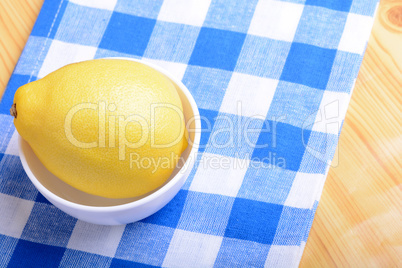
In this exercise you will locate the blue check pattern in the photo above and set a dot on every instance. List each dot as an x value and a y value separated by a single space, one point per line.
292 62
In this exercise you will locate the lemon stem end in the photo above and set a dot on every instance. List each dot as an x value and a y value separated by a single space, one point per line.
13 110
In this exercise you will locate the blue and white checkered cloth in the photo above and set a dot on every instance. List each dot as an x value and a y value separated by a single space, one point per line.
285 69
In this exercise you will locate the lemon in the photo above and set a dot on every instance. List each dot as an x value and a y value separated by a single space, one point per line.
108 127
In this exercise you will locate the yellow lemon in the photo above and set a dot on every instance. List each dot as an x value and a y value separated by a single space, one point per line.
108 127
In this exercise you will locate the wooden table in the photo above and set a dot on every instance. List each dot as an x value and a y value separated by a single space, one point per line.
358 220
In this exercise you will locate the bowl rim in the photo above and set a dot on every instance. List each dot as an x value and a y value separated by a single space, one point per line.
149 198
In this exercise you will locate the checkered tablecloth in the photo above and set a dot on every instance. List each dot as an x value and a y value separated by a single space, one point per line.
283 70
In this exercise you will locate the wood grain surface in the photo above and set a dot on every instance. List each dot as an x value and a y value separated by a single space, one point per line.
358 220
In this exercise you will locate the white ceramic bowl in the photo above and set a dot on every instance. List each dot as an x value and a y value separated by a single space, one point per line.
99 210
